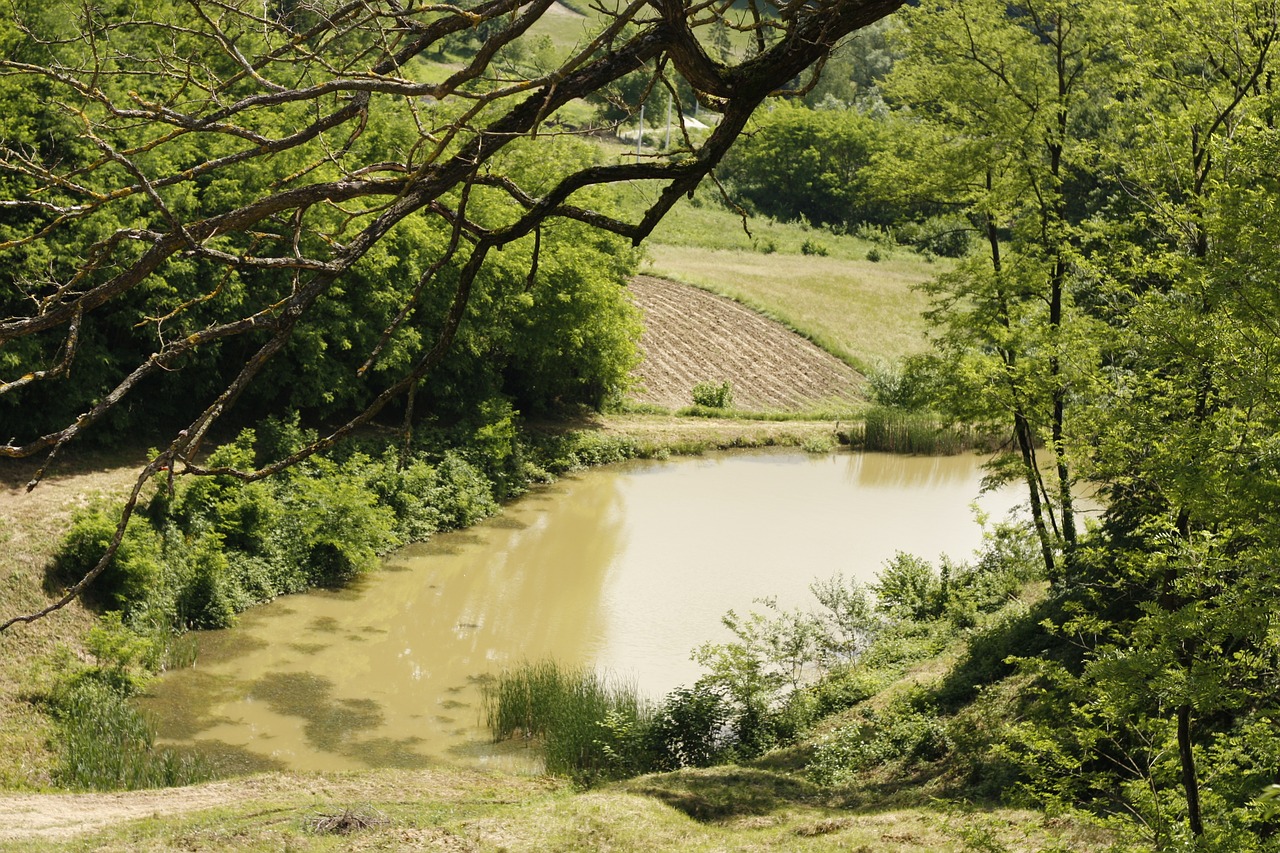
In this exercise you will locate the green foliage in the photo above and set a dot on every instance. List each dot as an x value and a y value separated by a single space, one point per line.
812 165
813 247
909 587
713 396
124 658
208 598
905 386
105 744
691 728
901 732
764 673
335 524
944 236
134 569
590 729
217 545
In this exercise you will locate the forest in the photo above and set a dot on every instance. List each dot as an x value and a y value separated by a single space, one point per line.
306 224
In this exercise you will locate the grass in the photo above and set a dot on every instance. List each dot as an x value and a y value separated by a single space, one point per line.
723 808
579 717
108 745
896 431
863 312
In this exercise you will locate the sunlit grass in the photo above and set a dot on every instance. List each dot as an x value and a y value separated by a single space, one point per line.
724 808
573 714
864 313
896 431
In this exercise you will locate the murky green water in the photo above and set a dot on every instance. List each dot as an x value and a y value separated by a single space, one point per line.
626 568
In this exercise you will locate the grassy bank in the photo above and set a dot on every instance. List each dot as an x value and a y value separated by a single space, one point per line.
717 809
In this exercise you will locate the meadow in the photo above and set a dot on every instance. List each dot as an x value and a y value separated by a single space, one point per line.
867 313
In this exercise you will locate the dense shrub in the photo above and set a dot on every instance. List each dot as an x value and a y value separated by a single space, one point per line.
216 545
134 570
712 395
909 587
692 728
812 165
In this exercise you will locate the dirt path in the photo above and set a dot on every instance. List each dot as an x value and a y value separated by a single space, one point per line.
60 816
693 336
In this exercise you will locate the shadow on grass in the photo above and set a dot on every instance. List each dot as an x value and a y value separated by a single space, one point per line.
726 793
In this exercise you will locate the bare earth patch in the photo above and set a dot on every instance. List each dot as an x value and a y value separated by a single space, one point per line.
63 816
693 336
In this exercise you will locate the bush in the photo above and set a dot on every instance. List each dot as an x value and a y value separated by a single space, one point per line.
134 570
908 587
948 236
713 396
340 526
813 247
905 386
844 688
208 598
692 728
460 493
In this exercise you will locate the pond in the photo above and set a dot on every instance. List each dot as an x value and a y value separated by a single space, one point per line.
625 568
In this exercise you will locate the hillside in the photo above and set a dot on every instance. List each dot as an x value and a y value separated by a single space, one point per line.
693 336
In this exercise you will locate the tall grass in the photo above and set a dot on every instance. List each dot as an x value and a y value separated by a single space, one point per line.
900 431
106 744
590 726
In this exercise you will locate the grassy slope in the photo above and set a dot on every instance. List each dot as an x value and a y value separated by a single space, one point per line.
31 524
865 313
720 809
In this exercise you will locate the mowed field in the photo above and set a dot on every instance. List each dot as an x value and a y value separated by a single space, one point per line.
867 314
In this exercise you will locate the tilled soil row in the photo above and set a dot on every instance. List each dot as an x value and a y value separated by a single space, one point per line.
693 336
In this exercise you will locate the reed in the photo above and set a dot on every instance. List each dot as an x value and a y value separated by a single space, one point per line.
899 431
590 726
107 745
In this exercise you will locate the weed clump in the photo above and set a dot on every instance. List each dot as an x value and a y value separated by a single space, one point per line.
712 395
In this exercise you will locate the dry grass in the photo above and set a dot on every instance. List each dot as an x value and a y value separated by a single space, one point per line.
31 525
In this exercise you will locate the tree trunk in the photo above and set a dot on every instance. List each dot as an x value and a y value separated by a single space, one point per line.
1190 784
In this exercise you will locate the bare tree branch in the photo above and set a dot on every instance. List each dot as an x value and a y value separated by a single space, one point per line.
173 104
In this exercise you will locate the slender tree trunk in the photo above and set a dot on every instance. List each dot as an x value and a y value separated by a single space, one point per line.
1026 446
1022 432
1058 436
1190 783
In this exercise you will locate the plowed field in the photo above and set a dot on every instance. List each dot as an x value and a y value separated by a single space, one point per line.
693 336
